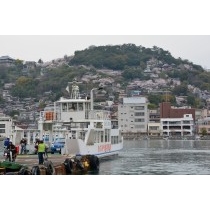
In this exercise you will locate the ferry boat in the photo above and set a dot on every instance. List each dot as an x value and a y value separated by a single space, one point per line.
86 131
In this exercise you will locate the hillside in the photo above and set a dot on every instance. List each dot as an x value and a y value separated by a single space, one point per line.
128 63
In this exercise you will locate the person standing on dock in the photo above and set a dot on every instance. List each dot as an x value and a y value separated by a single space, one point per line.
23 143
41 152
11 147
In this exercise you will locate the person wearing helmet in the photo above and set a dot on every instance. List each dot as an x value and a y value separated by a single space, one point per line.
11 147
6 142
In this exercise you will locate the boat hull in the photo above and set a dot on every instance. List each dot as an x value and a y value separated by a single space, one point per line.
101 150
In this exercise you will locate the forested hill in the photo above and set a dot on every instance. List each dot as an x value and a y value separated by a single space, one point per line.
119 57
133 63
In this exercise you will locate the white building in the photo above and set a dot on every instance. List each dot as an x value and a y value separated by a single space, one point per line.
133 115
177 126
5 126
154 129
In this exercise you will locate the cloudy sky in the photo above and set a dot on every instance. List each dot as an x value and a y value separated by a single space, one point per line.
37 29
195 48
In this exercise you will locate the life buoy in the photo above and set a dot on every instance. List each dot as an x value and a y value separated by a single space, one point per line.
35 170
50 170
68 165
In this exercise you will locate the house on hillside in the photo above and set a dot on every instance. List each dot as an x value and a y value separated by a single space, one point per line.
6 61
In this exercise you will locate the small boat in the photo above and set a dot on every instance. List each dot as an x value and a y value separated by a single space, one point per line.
86 131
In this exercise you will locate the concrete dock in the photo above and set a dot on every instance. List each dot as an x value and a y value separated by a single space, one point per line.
31 160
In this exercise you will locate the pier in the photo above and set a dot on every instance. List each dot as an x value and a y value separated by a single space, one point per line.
55 164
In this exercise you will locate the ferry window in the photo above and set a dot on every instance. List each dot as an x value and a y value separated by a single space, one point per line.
74 106
102 136
70 106
105 138
80 106
64 107
2 125
107 134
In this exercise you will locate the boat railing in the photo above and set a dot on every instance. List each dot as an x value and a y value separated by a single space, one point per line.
99 115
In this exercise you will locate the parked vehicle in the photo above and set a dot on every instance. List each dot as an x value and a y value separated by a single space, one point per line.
57 145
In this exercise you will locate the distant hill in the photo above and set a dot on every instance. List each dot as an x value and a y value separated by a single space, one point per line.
118 57
133 62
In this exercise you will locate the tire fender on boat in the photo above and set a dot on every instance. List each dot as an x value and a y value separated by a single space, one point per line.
24 171
50 170
35 170
68 165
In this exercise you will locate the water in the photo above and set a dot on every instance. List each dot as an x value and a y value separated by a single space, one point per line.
159 157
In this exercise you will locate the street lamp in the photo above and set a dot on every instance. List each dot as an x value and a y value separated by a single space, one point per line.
91 96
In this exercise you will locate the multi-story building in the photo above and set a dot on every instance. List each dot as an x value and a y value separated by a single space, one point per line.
154 115
203 126
154 129
133 115
184 126
6 61
166 111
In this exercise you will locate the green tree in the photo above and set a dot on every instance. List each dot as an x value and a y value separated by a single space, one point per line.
40 61
203 131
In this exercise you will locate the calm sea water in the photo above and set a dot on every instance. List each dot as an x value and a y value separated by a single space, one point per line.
163 157
160 157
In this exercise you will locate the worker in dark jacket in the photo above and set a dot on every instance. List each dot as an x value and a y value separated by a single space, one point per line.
11 147
23 143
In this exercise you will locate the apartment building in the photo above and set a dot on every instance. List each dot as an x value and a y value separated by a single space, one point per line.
184 126
133 115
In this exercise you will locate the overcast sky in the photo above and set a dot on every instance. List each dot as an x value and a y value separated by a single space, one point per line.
176 26
195 48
